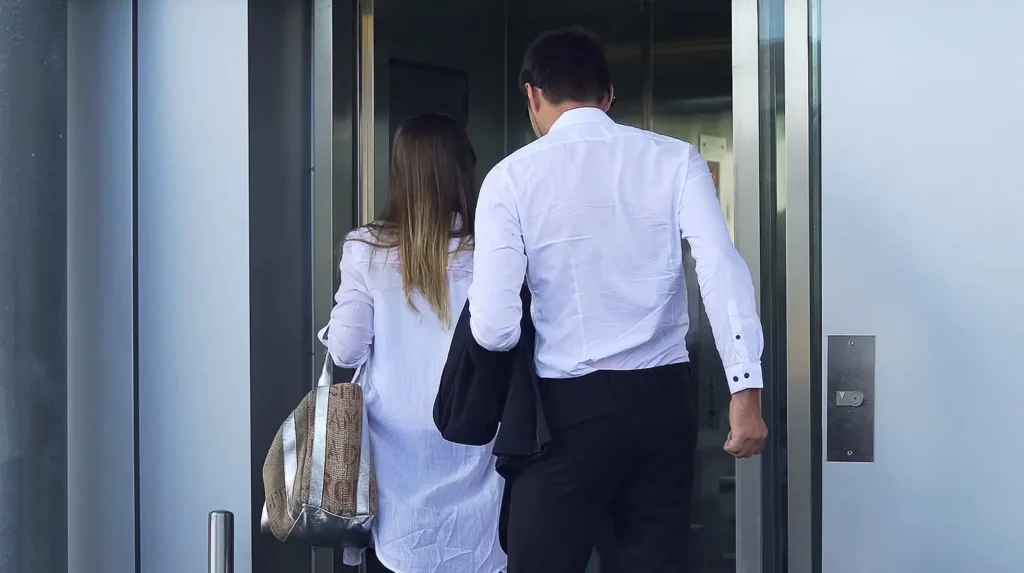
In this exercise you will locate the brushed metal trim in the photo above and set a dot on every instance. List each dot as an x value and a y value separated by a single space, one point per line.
796 196
323 236
366 111
746 222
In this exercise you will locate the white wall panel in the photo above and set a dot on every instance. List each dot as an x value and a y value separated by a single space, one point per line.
922 242
193 273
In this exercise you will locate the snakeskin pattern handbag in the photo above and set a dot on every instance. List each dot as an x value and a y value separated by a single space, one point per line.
318 475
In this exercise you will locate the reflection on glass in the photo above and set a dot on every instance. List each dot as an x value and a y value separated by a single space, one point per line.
774 462
671 66
692 89
443 56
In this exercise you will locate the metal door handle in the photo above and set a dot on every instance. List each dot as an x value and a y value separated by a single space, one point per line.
222 542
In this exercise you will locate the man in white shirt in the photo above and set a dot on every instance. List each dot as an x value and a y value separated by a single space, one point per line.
592 216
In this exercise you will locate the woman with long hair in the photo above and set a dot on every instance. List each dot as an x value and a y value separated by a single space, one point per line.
404 281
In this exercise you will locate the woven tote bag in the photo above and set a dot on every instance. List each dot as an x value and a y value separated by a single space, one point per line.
318 475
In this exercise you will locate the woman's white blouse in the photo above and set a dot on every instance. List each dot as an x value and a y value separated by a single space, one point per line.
438 501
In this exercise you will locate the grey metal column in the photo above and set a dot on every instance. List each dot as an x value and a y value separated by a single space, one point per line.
804 401
748 235
280 220
33 273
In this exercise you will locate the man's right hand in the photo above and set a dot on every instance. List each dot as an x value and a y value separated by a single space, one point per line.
747 430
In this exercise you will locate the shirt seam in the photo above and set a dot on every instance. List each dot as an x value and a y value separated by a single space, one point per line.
579 304
513 199
684 177
541 145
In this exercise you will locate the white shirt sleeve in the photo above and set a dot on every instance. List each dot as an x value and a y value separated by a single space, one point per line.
725 283
499 266
350 332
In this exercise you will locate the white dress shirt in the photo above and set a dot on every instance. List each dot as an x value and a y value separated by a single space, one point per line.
438 501
593 215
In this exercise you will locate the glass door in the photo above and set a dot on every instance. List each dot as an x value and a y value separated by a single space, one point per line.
688 70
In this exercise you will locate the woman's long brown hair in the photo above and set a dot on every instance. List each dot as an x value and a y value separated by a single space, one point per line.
432 197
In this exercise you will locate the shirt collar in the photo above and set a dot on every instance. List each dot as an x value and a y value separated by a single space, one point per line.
580 115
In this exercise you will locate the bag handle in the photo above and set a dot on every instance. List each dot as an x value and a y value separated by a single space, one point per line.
327 372
319 453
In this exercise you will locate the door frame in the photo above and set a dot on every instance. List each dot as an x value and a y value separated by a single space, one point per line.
803 287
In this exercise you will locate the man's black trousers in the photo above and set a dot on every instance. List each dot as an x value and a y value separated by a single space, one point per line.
622 446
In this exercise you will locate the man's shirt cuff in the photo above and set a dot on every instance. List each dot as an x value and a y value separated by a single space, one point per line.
744 377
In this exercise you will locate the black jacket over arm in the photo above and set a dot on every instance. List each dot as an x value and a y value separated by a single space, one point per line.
486 395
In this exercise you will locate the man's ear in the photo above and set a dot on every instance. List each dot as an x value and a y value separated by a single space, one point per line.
533 95
606 105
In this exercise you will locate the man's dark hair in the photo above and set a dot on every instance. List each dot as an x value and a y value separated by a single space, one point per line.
568 65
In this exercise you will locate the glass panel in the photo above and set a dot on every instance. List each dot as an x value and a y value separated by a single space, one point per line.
692 101
773 279
444 56
672 72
